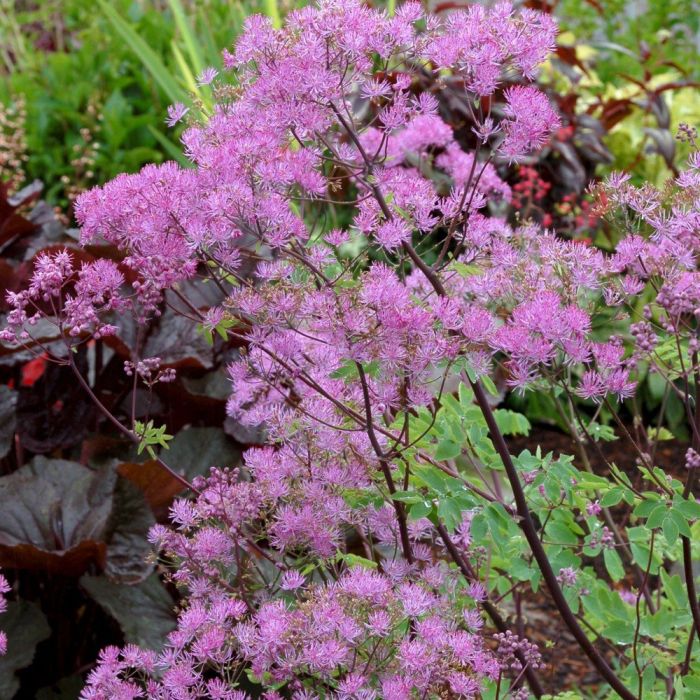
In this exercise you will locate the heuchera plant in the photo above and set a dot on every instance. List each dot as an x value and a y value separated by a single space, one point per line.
373 548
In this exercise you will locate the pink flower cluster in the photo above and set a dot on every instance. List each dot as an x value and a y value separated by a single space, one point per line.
149 371
75 300
362 636
4 588
319 151
662 248
301 88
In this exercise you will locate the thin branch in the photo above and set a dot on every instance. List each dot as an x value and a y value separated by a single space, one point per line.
530 531
122 428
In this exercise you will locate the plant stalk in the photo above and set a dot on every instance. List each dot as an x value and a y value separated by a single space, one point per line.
530 531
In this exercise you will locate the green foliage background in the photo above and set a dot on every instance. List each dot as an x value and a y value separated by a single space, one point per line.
77 65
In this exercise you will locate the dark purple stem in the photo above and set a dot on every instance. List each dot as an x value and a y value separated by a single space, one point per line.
122 428
530 531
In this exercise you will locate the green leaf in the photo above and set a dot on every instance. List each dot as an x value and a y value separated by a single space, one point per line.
466 396
407 496
149 58
151 436
673 588
511 423
613 564
620 475
648 679
447 449
592 482
464 270
681 522
191 41
688 509
464 500
499 522
657 516
356 560
433 478
660 434
560 533
520 569
188 77
645 508
601 432
619 632
361 498
668 353
347 370
552 488
664 621
670 530
449 512
489 385
640 554
272 11
573 598
612 497
169 147
420 510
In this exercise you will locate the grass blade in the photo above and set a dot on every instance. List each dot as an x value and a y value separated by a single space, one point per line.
150 60
203 92
273 12
169 147
186 74
212 52
188 36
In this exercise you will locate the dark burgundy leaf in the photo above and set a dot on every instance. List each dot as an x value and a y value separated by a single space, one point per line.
172 337
8 421
194 450
567 54
25 626
144 610
597 6
26 195
567 103
8 281
13 227
663 144
54 515
244 434
157 485
214 385
570 170
125 533
660 110
450 5
614 111
53 412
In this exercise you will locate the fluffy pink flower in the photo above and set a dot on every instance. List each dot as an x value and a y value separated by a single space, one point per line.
207 76
530 119
175 113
